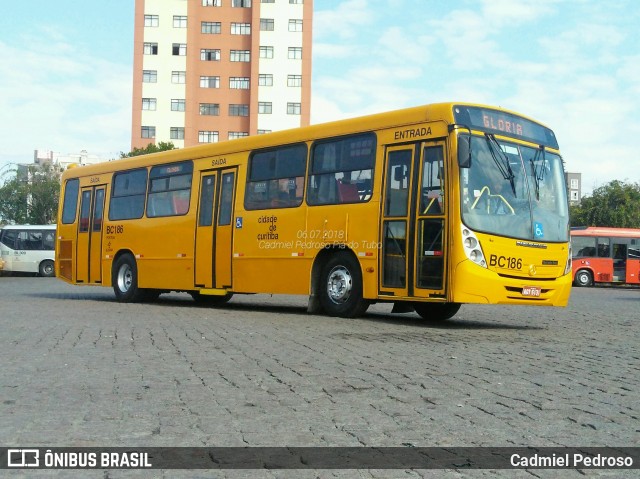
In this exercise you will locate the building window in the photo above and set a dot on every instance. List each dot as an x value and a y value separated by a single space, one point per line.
574 183
150 49
267 1
295 25
207 136
240 28
211 3
209 82
177 105
148 132
151 20
209 55
266 24
574 195
263 132
179 21
241 3
293 108
265 107
209 109
239 83
295 53
234 135
296 2
240 56
176 133
149 76
265 79
211 27
179 49
276 178
294 80
149 104
178 77
266 52
238 110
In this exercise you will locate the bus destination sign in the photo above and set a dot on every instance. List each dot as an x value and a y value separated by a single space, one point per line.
502 123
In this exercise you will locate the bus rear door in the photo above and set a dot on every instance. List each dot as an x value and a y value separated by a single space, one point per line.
89 243
214 232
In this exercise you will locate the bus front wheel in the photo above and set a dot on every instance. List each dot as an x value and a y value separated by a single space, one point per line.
436 311
124 279
583 278
47 269
341 287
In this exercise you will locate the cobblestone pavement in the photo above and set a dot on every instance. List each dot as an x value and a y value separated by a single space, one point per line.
80 369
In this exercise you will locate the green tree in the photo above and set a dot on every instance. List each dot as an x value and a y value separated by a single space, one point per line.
31 196
616 204
150 148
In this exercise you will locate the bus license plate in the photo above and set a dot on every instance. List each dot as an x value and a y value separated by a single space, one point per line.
531 291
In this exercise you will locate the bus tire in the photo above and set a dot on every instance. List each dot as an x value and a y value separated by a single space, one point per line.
436 311
583 278
47 269
341 287
124 279
210 300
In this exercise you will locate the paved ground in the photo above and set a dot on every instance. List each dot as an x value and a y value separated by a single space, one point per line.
79 369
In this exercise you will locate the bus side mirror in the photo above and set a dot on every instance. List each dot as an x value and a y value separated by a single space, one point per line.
464 151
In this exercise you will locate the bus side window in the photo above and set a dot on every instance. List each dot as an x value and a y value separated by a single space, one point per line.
276 178
603 248
342 170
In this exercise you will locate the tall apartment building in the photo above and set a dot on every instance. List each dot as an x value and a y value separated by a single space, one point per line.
211 70
574 187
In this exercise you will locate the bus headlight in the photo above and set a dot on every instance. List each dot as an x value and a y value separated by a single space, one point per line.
472 247
567 268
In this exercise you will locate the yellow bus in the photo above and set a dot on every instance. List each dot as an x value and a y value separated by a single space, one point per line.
427 207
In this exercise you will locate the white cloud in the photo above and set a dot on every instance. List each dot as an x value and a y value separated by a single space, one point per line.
61 99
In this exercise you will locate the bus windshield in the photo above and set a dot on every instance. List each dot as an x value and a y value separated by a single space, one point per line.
515 191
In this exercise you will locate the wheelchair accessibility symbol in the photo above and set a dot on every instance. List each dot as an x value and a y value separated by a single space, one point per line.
239 222
538 230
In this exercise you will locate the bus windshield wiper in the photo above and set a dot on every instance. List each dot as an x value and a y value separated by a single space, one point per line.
538 171
501 160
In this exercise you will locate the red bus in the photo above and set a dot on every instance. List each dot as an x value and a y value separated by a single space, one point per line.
605 255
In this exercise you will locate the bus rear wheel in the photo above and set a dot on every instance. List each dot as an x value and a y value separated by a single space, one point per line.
436 311
341 287
124 279
583 278
47 269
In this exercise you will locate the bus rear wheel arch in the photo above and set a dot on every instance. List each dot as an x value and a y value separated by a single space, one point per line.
583 277
340 286
436 311
47 269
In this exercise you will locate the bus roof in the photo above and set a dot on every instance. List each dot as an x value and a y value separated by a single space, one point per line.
403 117
605 231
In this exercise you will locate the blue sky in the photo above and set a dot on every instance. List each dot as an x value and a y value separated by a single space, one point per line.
66 69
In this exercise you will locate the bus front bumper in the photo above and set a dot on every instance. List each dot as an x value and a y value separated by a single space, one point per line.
475 284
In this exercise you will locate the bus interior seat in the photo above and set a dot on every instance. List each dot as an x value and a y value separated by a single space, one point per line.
180 205
348 192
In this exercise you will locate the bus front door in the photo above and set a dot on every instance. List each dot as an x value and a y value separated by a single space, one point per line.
413 222
89 254
214 232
